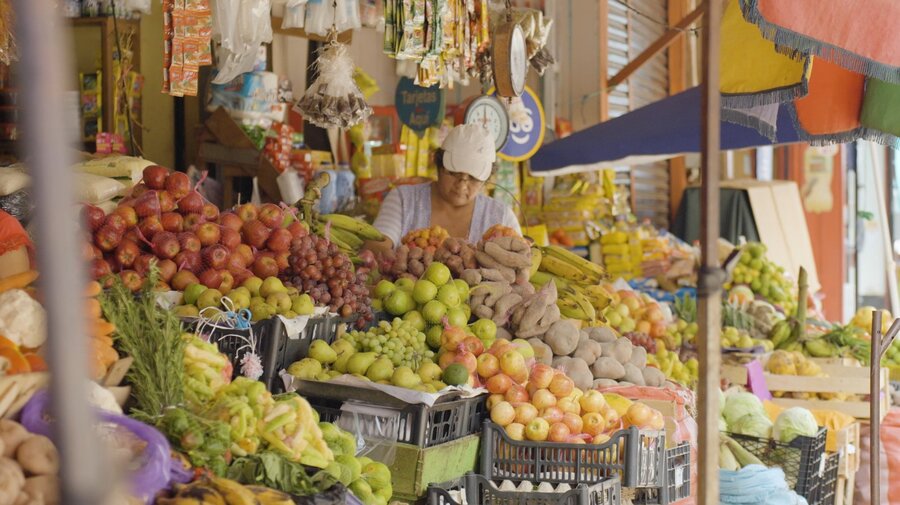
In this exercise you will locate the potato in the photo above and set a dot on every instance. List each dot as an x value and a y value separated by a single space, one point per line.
602 334
638 357
608 368
622 350
562 337
633 375
580 372
653 377
542 352
588 350
604 383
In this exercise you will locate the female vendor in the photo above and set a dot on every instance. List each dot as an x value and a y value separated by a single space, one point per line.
456 201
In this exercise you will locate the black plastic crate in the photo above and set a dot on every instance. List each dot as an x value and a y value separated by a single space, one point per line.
637 457
414 424
801 459
827 489
479 490
677 484
324 327
270 344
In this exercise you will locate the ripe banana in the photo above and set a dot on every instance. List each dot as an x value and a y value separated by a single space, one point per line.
577 295
598 296
267 496
536 255
355 226
196 493
234 492
576 260
560 268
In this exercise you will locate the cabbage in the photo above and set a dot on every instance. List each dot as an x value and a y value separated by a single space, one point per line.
753 424
737 405
794 422
722 425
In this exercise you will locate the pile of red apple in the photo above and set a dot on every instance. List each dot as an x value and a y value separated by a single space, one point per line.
167 221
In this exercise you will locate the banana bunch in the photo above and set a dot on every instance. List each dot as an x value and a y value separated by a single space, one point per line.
348 233
577 281
569 266
220 491
573 303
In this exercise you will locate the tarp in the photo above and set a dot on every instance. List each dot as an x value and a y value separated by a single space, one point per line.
659 131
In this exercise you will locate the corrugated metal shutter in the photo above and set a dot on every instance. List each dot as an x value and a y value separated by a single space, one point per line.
629 34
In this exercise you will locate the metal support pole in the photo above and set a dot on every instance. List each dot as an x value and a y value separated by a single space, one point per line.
709 285
44 71
875 412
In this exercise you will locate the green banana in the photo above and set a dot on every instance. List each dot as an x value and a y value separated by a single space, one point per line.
356 226
820 349
780 333
348 237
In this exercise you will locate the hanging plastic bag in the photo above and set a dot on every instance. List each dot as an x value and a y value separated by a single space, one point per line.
254 196
334 100
143 6
290 185
240 27
294 14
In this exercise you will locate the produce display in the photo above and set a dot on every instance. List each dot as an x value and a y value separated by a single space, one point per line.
764 278
29 466
264 298
411 260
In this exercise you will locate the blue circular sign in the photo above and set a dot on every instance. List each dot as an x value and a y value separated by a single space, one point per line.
525 136
419 108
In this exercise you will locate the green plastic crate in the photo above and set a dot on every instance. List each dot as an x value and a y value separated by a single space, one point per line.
414 468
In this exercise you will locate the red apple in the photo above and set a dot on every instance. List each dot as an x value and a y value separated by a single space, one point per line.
525 412
189 241
230 238
594 424
148 204
246 252
553 414
516 394
231 220
166 202
193 221
265 267
227 282
172 221
537 430
255 233
247 212
499 383
279 240
503 413
150 226
178 184
165 245
210 212
192 203
283 260
167 270
100 268
138 190
211 278
271 215
142 263
116 222
128 214
183 279
132 280
559 432
107 239
127 252
592 401
209 234
93 216
215 256
298 229
190 261
241 276
574 422
543 398
235 263
541 375
561 385
90 252
155 177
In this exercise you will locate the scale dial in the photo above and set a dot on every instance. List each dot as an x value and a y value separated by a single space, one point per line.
518 61
490 112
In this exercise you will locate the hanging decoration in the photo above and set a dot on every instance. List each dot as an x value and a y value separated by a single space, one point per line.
7 37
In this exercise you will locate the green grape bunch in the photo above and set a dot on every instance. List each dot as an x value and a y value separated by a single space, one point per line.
398 340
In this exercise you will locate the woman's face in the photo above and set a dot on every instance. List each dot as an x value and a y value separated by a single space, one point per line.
457 189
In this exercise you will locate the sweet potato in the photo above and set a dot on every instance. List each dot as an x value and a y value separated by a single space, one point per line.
608 368
472 277
532 331
503 333
562 337
505 305
416 253
551 316
524 290
485 260
483 312
495 291
538 304
506 257
492 274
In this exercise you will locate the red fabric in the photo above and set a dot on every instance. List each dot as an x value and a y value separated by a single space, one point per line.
888 464
867 28
14 236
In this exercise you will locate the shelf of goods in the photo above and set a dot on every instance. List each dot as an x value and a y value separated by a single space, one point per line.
839 377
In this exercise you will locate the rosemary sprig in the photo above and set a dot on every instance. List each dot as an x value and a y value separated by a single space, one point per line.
152 336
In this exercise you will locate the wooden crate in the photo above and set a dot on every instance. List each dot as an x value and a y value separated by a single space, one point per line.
844 493
848 445
843 376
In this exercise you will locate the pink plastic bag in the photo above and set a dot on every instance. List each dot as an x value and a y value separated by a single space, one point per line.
888 464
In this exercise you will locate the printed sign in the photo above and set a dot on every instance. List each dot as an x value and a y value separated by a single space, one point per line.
419 108
527 127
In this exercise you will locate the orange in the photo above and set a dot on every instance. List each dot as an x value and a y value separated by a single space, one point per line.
17 362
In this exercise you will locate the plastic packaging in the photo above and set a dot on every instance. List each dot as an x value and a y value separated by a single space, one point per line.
290 185
240 27
294 14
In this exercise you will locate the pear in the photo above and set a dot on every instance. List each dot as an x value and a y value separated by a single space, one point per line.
281 302
320 351
306 369
360 362
192 292
340 364
342 346
404 377
253 285
381 369
209 298
186 311
303 305
430 372
271 286
377 474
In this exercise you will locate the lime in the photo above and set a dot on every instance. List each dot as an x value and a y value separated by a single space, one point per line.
455 375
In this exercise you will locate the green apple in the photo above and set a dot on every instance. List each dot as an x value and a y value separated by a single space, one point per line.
209 298
438 273
406 284
449 296
463 288
384 288
424 291
186 311
434 311
415 317
485 330
433 336
399 302
271 286
253 284
457 317
192 292
303 305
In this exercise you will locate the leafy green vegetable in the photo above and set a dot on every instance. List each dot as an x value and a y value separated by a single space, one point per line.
205 442
273 470
794 422
152 336
754 424
737 405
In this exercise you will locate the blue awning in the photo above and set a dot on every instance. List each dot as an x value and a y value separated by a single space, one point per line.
659 131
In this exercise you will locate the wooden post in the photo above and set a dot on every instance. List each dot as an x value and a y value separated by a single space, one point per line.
677 51
875 411
603 50
709 285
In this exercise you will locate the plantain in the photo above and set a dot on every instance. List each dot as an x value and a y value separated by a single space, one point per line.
780 333
357 227
819 348
536 256
196 493
347 237
267 496
567 271
234 492
727 461
573 259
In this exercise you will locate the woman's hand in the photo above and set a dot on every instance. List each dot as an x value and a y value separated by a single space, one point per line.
379 248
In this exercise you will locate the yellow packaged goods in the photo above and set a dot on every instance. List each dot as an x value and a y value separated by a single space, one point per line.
97 189
115 167
12 180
